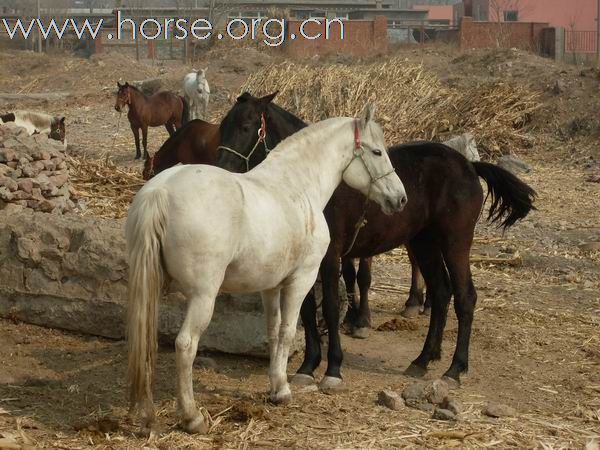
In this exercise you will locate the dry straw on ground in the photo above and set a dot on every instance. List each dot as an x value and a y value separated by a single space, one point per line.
102 188
412 102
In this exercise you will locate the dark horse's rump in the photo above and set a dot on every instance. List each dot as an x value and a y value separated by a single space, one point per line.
195 143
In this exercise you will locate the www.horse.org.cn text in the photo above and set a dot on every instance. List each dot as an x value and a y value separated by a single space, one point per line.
271 31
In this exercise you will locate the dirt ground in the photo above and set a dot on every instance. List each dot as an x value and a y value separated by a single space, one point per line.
536 334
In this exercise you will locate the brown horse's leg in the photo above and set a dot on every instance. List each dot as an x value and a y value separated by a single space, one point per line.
363 320
136 135
349 274
417 286
170 128
145 141
429 256
456 256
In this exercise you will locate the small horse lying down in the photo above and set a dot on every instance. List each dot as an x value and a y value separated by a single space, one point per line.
262 231
37 123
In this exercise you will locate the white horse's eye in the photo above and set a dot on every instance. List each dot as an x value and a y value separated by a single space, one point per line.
377 152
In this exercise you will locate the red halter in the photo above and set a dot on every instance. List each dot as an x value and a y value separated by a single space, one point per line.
357 143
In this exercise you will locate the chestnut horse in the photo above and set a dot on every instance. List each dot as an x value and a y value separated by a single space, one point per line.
162 108
445 201
194 143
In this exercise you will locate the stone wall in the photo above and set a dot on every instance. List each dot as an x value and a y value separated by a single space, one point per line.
70 272
33 173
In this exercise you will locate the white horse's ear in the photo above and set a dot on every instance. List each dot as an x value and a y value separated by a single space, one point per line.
367 114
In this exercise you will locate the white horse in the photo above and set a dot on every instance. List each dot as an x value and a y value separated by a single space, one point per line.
197 92
261 231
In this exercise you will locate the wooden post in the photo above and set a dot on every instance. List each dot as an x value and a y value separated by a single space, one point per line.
598 35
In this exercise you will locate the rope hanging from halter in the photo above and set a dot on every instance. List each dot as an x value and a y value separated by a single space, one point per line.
358 153
262 137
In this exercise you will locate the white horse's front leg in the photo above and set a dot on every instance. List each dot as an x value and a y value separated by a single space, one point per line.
292 296
272 309
200 310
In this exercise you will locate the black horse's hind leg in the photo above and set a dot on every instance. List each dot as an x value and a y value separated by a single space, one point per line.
415 300
145 141
363 319
330 275
312 353
429 257
349 274
136 135
456 254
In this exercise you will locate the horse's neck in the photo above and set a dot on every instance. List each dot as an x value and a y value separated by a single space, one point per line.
136 100
310 163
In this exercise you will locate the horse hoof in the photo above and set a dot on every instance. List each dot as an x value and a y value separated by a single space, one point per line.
410 312
302 379
196 425
415 371
331 384
361 333
453 383
426 312
281 398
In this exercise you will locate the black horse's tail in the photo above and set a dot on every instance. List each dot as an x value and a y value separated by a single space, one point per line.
511 198
185 114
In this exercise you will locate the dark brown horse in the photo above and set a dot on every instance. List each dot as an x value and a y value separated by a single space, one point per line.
195 143
162 108
444 203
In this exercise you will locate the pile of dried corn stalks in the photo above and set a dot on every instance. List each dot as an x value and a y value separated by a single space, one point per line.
412 103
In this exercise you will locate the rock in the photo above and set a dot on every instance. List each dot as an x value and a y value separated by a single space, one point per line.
390 399
25 184
452 405
498 410
587 247
59 180
414 391
5 194
5 170
465 145
70 272
9 183
443 414
513 164
559 87
148 87
436 391
205 362
6 154
41 155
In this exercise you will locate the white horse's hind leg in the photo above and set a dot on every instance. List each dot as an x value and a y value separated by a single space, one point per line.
200 310
272 308
292 296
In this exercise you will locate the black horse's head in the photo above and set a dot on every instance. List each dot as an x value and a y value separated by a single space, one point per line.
244 133
57 129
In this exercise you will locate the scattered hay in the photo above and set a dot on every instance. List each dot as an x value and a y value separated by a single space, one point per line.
412 102
102 188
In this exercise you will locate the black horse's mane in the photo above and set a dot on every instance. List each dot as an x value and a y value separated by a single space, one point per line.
293 120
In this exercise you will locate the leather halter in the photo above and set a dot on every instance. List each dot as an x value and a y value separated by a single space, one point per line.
262 137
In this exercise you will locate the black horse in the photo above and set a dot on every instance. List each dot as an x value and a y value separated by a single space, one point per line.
444 203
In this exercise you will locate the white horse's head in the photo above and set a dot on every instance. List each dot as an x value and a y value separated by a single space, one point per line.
371 170
201 73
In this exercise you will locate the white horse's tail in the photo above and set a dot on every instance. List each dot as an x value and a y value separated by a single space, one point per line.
145 229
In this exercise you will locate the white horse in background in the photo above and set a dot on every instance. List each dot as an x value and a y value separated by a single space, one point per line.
261 231
197 93
37 123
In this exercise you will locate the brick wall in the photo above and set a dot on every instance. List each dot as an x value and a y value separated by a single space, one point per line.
361 38
523 35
